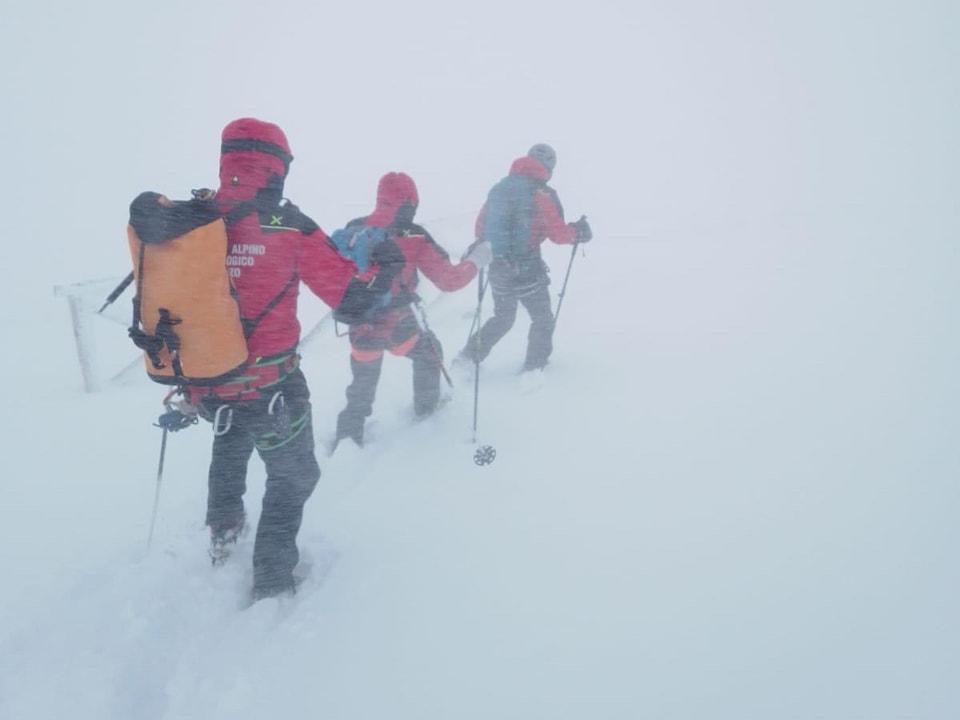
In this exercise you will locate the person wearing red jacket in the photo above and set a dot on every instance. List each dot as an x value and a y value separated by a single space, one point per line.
396 328
272 248
521 212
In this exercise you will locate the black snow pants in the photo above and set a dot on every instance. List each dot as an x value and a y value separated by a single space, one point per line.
280 428
532 291
366 362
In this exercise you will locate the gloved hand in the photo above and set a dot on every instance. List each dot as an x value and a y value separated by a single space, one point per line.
389 259
480 254
203 194
584 233
174 419
184 406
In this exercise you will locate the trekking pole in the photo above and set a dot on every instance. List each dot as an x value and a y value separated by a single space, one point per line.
563 290
484 454
117 291
172 420
425 327
481 287
156 495
476 316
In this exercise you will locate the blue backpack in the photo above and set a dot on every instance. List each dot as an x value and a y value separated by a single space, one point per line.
509 216
357 241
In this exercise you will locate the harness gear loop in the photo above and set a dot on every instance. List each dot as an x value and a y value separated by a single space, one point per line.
219 431
277 408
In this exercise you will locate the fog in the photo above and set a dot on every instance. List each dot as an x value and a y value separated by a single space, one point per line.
735 495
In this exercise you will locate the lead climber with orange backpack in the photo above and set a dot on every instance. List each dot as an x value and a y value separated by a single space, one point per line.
256 398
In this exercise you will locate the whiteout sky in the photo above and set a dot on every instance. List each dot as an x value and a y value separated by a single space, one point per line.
736 494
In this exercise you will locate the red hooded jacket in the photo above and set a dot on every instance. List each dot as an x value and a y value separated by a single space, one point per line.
397 201
273 246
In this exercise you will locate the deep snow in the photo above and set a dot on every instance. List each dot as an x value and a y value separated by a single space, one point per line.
734 492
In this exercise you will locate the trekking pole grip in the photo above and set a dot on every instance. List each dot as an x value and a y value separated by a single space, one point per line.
117 291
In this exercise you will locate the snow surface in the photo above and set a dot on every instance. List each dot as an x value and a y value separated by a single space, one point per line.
733 494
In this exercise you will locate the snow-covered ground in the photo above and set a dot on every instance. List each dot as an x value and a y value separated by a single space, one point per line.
732 494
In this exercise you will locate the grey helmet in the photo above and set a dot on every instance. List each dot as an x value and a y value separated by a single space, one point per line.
545 155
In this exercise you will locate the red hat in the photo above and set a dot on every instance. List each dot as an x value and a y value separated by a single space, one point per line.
252 135
253 154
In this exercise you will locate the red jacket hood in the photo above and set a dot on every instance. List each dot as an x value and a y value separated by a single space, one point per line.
531 168
395 190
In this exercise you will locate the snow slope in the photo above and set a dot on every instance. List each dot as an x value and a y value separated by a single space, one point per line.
734 492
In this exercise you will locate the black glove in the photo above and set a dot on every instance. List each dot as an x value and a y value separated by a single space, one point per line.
584 233
389 259
174 420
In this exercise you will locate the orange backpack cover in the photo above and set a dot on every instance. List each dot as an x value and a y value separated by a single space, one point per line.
186 316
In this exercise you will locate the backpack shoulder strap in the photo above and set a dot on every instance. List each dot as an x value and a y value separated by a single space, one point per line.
250 325
239 212
543 187
287 216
